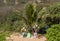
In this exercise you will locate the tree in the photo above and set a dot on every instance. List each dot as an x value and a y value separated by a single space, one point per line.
32 16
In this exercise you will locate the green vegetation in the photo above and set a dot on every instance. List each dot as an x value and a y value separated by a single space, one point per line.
33 14
53 33
3 35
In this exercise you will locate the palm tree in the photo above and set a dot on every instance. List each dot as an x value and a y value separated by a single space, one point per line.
32 16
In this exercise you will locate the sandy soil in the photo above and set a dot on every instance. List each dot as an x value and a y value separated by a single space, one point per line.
16 37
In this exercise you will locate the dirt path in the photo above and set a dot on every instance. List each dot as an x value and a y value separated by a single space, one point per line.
16 37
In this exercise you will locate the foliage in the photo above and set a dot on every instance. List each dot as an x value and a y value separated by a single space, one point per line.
12 21
41 17
3 35
53 33
32 15
53 14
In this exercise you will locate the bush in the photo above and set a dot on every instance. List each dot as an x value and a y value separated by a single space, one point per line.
53 33
3 35
12 21
53 16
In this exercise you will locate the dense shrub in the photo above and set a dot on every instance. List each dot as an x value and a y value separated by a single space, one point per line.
15 19
53 16
12 21
3 35
53 33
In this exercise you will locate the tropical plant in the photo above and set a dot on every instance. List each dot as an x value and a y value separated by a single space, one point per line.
32 16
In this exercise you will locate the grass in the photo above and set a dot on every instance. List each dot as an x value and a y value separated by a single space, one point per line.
3 35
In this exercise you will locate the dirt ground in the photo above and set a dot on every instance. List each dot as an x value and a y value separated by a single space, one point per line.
15 37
